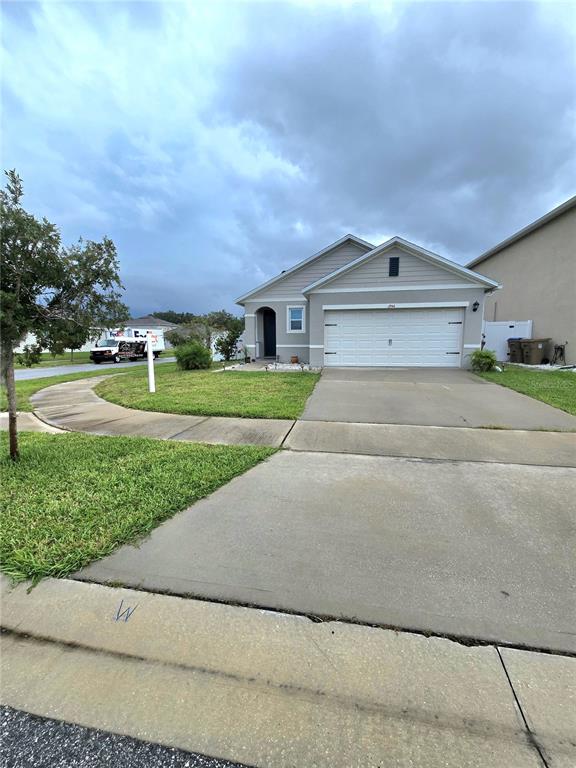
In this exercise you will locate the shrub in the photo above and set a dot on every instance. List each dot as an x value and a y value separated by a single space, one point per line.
227 344
31 355
483 360
192 355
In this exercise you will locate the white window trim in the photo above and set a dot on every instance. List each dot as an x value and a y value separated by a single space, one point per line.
407 305
296 306
415 287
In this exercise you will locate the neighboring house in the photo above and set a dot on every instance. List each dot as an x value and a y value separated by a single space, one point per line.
537 270
356 304
151 323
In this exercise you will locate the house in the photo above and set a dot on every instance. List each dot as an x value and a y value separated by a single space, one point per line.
356 304
537 270
152 323
141 324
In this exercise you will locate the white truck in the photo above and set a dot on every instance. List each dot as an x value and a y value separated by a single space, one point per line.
126 344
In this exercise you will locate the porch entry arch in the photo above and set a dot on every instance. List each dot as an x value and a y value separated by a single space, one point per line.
265 332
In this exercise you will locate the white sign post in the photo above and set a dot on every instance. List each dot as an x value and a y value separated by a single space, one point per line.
150 352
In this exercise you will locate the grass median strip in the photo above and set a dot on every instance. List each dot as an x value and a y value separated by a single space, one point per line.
556 388
258 395
74 498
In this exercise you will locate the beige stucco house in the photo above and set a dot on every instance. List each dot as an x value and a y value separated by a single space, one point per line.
536 268
357 304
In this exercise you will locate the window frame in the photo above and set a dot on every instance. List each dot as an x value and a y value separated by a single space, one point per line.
289 328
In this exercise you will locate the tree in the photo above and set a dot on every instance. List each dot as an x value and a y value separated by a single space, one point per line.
178 318
47 289
66 334
227 343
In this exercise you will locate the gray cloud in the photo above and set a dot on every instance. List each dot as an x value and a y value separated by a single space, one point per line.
219 143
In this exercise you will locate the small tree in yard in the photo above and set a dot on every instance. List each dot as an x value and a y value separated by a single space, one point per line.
227 344
47 289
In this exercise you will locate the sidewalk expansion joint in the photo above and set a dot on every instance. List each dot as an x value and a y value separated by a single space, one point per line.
530 735
287 434
187 429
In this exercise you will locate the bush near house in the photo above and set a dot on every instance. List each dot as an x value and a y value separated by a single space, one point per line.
483 360
193 356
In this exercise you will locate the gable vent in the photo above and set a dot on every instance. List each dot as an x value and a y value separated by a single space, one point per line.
394 266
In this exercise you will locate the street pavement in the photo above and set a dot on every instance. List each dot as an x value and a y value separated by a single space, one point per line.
29 740
23 374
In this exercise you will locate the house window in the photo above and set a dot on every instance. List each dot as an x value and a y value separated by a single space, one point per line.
296 320
394 266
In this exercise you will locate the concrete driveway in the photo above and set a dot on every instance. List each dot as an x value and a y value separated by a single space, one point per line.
426 397
479 550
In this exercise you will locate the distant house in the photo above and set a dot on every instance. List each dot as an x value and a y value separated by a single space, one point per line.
537 270
141 324
152 323
356 304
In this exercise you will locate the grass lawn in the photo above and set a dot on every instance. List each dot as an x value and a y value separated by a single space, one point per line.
258 395
557 388
74 498
48 360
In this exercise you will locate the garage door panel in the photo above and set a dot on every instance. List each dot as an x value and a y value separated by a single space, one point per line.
411 337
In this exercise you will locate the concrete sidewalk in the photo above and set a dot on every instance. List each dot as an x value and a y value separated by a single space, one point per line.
76 407
28 422
269 689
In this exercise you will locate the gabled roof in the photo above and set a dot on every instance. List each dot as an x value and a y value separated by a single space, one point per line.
433 258
151 321
550 216
352 238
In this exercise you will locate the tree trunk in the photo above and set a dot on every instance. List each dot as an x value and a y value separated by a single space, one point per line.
11 394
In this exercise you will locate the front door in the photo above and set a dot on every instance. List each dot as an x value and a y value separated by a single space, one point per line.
269 322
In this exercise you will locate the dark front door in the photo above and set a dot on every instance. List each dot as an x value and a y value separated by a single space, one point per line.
269 322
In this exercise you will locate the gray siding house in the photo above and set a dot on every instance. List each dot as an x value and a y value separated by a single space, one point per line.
537 269
356 304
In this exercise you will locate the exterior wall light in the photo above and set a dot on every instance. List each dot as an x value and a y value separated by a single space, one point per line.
475 306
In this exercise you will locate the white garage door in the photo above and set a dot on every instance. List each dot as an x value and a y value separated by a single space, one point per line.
404 337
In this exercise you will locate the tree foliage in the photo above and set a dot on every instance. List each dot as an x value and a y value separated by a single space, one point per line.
48 289
201 328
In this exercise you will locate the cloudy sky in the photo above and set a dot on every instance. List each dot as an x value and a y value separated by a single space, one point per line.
217 143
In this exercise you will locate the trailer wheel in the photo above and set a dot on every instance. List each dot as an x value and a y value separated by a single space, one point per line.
156 355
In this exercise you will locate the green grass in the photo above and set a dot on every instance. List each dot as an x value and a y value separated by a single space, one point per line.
74 498
25 389
258 395
48 360
557 388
